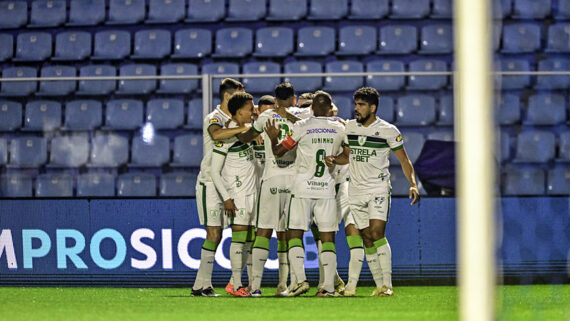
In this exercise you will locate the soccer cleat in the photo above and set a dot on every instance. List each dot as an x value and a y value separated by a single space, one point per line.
209 292
319 292
376 292
256 293
300 288
282 290
385 291
329 294
338 284
241 291
229 288
196 292
347 292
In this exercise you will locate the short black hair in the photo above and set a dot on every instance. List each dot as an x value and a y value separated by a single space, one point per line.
230 85
237 101
284 91
306 104
368 94
308 96
322 100
266 100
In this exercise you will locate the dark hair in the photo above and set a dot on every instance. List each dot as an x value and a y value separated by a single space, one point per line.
308 96
306 104
322 100
284 91
368 94
230 85
237 101
266 100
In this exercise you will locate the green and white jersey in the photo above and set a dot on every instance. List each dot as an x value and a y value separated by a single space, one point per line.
233 167
315 138
217 117
370 149
259 155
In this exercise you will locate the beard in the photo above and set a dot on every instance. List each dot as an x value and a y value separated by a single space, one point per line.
362 119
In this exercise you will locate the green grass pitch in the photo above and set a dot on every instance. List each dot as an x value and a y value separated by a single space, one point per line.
538 302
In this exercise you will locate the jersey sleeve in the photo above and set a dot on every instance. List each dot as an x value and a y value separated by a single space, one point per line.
218 160
395 140
215 119
297 133
259 124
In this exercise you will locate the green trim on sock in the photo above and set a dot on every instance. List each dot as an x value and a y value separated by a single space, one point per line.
209 245
315 231
281 246
354 241
328 247
370 250
261 243
295 242
380 242
250 235
239 236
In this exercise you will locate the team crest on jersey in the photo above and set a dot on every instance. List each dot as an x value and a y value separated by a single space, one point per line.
241 212
376 134
214 121
361 140
399 138
214 213
273 190
219 144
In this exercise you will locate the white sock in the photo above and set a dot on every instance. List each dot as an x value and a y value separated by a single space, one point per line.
259 257
292 275
204 275
385 258
297 262
246 260
354 267
236 261
283 268
329 266
321 269
374 266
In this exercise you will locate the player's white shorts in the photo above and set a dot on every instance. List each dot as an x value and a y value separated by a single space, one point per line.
368 207
272 203
303 211
342 206
245 213
210 205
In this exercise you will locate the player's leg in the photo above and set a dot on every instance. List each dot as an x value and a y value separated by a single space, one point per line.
379 212
354 241
317 238
237 247
283 264
298 223
326 219
247 260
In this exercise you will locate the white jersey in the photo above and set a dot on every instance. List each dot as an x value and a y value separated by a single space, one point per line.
370 149
302 113
217 117
259 155
341 173
316 138
233 167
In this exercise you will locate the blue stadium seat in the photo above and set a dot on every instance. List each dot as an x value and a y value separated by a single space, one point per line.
273 42
192 43
13 14
126 11
3 151
112 45
57 88
20 88
410 9
415 110
182 86
413 142
564 147
151 151
344 105
343 83
16 185
558 182
503 147
534 146
83 115
315 41
304 84
28 151
136 185
137 86
69 151
400 184
261 85
124 114
86 12
501 9
513 82
398 40
33 46
96 87
42 115
557 40
194 119
233 42
551 81
523 181
178 184
48 13
328 9
508 111
436 39
531 9
152 44
546 109
368 9
386 108
384 83
166 11
562 11
188 150
10 115
357 40
165 113
288 10
246 10
206 10
95 185
72 45
441 9
54 185
521 38
445 135
419 82
216 68
108 150
445 111
6 46
497 32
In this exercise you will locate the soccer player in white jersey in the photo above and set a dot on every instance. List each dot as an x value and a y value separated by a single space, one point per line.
209 204
371 140
264 103
233 173
313 194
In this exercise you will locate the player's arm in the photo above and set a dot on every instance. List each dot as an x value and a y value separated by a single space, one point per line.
410 173
340 159
249 135
218 160
218 133
273 133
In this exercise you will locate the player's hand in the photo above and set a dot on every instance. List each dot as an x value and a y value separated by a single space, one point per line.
230 208
259 140
272 130
415 194
329 160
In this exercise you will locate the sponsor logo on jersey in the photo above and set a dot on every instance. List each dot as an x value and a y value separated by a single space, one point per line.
361 140
214 121
399 138
321 131
219 144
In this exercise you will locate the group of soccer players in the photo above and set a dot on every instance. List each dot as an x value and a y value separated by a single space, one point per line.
279 167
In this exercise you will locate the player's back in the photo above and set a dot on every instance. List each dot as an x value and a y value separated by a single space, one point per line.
216 117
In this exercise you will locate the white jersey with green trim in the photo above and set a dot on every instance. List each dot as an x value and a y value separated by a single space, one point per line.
370 149
316 138
216 117
259 155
